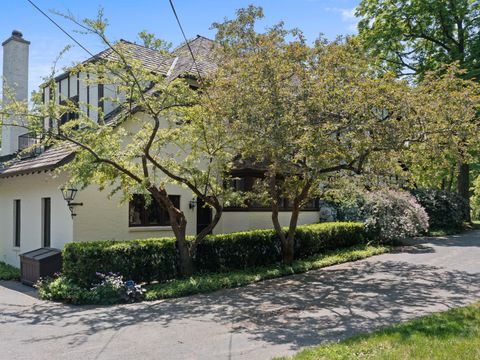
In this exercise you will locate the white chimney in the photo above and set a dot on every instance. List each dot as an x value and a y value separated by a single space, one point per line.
15 78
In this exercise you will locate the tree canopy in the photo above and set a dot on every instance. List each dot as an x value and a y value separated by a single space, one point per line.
413 37
307 114
416 36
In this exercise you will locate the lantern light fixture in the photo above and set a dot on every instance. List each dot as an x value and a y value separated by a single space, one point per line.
69 194
192 203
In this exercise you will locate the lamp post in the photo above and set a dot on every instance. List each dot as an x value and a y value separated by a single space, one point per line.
69 195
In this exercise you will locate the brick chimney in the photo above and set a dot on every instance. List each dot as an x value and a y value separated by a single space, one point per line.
15 78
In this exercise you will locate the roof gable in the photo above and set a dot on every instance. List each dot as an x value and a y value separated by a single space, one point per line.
179 63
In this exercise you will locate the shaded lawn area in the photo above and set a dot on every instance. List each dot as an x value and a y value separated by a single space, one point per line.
454 334
8 272
203 283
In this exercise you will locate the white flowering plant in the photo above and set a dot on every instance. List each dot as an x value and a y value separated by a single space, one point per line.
394 215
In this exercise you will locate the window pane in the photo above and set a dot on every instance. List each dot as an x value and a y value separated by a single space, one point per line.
153 215
46 211
135 210
16 220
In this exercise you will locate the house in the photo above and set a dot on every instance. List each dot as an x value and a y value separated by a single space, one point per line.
33 211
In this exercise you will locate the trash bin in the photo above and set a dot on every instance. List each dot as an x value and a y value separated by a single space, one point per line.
39 263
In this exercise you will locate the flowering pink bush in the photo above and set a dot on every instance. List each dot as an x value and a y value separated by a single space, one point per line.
394 215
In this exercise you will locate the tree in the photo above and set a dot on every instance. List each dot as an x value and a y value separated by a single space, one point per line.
306 113
150 41
414 37
159 136
451 106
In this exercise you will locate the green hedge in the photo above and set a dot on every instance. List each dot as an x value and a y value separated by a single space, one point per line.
155 259
315 239
140 260
445 209
236 251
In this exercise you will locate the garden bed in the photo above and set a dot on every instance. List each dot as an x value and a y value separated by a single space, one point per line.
222 261
66 290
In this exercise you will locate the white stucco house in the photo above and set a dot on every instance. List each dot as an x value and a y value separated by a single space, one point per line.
33 212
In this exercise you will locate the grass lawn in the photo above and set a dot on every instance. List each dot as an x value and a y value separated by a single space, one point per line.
8 272
211 282
454 334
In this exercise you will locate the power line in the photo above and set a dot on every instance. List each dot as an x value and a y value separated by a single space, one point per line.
58 26
68 34
185 38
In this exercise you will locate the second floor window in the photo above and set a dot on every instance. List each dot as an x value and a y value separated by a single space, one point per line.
67 116
152 215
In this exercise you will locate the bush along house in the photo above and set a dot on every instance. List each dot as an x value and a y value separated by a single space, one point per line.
35 207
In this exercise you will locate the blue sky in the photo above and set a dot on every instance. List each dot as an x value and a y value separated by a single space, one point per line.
128 17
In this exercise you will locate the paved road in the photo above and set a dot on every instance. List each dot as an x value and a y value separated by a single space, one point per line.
276 317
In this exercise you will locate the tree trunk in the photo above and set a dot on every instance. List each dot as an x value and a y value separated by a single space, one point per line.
463 185
451 176
287 253
289 247
288 241
185 266
278 228
179 228
199 238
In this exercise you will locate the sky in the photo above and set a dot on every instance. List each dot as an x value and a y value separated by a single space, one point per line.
128 17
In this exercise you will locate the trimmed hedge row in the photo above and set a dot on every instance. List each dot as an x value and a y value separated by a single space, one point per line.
139 260
155 259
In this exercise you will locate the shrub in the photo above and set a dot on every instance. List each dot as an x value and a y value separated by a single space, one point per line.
155 259
328 212
393 215
110 290
138 260
348 203
239 250
446 210
315 239
8 272
62 288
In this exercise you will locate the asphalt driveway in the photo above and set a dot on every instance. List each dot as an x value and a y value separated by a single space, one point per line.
276 317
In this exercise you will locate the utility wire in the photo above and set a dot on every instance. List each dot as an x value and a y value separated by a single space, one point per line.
58 26
199 76
186 40
68 34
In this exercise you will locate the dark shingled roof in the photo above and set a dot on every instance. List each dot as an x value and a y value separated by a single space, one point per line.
183 64
48 160
178 63
151 59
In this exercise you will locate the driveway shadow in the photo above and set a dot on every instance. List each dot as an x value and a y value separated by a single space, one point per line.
19 287
299 310
465 239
